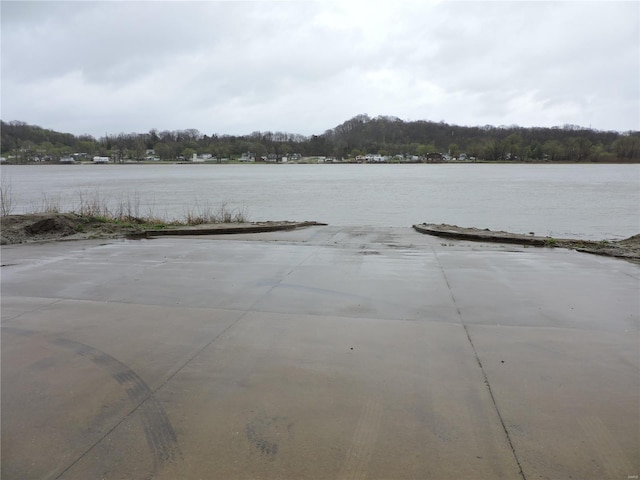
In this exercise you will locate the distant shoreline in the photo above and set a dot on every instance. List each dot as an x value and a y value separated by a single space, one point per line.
237 162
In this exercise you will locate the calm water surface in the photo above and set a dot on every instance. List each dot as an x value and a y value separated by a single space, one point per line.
586 201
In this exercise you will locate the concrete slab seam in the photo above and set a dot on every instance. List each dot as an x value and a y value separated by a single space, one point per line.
484 374
235 322
39 308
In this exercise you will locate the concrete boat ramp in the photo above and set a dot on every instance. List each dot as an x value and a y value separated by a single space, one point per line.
320 353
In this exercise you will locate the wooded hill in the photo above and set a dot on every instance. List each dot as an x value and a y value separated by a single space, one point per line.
361 135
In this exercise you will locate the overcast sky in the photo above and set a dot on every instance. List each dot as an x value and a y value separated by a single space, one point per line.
234 67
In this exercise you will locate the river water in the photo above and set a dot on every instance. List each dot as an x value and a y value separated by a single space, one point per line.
584 201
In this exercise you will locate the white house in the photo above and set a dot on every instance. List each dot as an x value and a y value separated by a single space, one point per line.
371 158
100 159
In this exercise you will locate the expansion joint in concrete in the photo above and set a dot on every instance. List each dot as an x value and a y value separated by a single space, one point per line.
493 399
484 374
235 322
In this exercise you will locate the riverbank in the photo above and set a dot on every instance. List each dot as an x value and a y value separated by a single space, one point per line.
628 248
42 227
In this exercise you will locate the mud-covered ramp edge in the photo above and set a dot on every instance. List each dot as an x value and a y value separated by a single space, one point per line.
48 227
227 228
628 249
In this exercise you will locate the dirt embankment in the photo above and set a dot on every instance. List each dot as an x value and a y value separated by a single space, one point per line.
40 227
56 226
629 248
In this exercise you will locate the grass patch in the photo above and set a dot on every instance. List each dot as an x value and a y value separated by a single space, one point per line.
126 210
6 196
205 214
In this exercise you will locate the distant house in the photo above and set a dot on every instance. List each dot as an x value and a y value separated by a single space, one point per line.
100 159
434 157
80 156
196 159
371 158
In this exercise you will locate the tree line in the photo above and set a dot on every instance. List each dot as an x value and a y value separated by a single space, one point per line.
389 136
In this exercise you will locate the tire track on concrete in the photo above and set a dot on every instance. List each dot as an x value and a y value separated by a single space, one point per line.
158 430
362 443
159 433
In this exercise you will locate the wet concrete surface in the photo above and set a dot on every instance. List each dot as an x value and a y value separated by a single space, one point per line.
323 353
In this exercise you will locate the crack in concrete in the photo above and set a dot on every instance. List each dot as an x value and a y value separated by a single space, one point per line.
232 324
484 373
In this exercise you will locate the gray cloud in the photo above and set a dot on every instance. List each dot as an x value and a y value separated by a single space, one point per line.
236 67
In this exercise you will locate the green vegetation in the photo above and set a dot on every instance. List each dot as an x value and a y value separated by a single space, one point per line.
205 214
95 208
390 137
